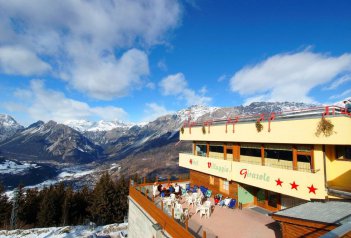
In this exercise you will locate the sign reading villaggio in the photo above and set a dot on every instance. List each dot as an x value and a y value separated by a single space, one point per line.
221 168
258 176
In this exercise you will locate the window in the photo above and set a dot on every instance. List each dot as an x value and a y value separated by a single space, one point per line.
278 154
343 152
211 180
304 158
250 150
216 148
201 150
224 186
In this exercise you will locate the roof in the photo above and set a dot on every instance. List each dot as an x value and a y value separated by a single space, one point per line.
333 212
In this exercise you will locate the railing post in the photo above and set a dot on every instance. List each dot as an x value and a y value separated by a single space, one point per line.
147 193
204 234
144 180
161 204
186 223
172 212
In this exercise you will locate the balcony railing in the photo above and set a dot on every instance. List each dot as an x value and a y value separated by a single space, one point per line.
331 110
269 162
141 193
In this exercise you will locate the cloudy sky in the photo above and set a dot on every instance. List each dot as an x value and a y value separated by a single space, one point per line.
136 60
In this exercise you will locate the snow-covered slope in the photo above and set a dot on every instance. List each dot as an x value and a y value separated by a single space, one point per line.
112 230
195 112
14 167
83 125
8 127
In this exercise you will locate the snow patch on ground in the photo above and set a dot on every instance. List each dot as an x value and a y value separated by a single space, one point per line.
112 230
11 167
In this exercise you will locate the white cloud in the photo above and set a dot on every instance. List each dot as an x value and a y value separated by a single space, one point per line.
20 61
110 78
288 77
153 111
173 84
344 94
79 39
162 65
176 85
222 78
335 84
45 104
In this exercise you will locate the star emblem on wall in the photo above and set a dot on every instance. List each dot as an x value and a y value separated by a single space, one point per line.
279 182
294 185
312 189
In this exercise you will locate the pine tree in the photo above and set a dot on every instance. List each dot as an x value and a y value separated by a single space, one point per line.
28 210
121 201
102 207
67 207
5 208
46 215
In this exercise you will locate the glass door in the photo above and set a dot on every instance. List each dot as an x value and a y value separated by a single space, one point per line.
261 198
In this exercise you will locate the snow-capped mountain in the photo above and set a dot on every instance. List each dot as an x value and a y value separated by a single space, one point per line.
83 125
8 127
50 141
118 140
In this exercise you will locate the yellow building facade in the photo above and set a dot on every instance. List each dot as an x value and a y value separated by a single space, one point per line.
275 163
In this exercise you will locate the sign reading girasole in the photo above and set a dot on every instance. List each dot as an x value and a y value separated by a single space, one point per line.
259 176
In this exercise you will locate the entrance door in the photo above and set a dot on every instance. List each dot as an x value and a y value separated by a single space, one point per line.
273 201
261 198
268 200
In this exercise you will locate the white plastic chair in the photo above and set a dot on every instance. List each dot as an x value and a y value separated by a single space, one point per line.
207 207
190 201
203 212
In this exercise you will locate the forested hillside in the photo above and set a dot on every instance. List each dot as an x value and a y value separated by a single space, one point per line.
60 205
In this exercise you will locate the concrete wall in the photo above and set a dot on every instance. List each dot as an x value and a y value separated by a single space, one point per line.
140 223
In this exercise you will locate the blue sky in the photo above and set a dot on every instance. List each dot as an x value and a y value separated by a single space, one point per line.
136 60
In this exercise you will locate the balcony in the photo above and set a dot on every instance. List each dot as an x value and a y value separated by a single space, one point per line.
223 222
300 184
294 127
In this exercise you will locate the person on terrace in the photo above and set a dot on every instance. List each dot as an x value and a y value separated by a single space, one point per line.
155 189
348 105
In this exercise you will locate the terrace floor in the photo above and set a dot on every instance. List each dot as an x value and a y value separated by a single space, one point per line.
225 222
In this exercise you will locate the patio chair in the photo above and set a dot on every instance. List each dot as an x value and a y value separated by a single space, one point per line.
204 212
217 198
232 204
208 193
190 201
178 210
195 188
224 202
173 197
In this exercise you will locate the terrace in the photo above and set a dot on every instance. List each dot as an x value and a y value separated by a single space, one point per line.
222 222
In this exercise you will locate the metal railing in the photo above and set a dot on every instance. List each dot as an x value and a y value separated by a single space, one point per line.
289 114
259 162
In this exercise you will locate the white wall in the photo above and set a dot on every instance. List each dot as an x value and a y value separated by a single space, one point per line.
140 223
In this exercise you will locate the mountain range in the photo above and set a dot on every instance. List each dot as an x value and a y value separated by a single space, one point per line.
81 142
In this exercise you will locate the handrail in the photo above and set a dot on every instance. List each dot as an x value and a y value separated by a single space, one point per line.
167 223
320 111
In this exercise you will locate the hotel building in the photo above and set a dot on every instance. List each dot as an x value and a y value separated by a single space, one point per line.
273 161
